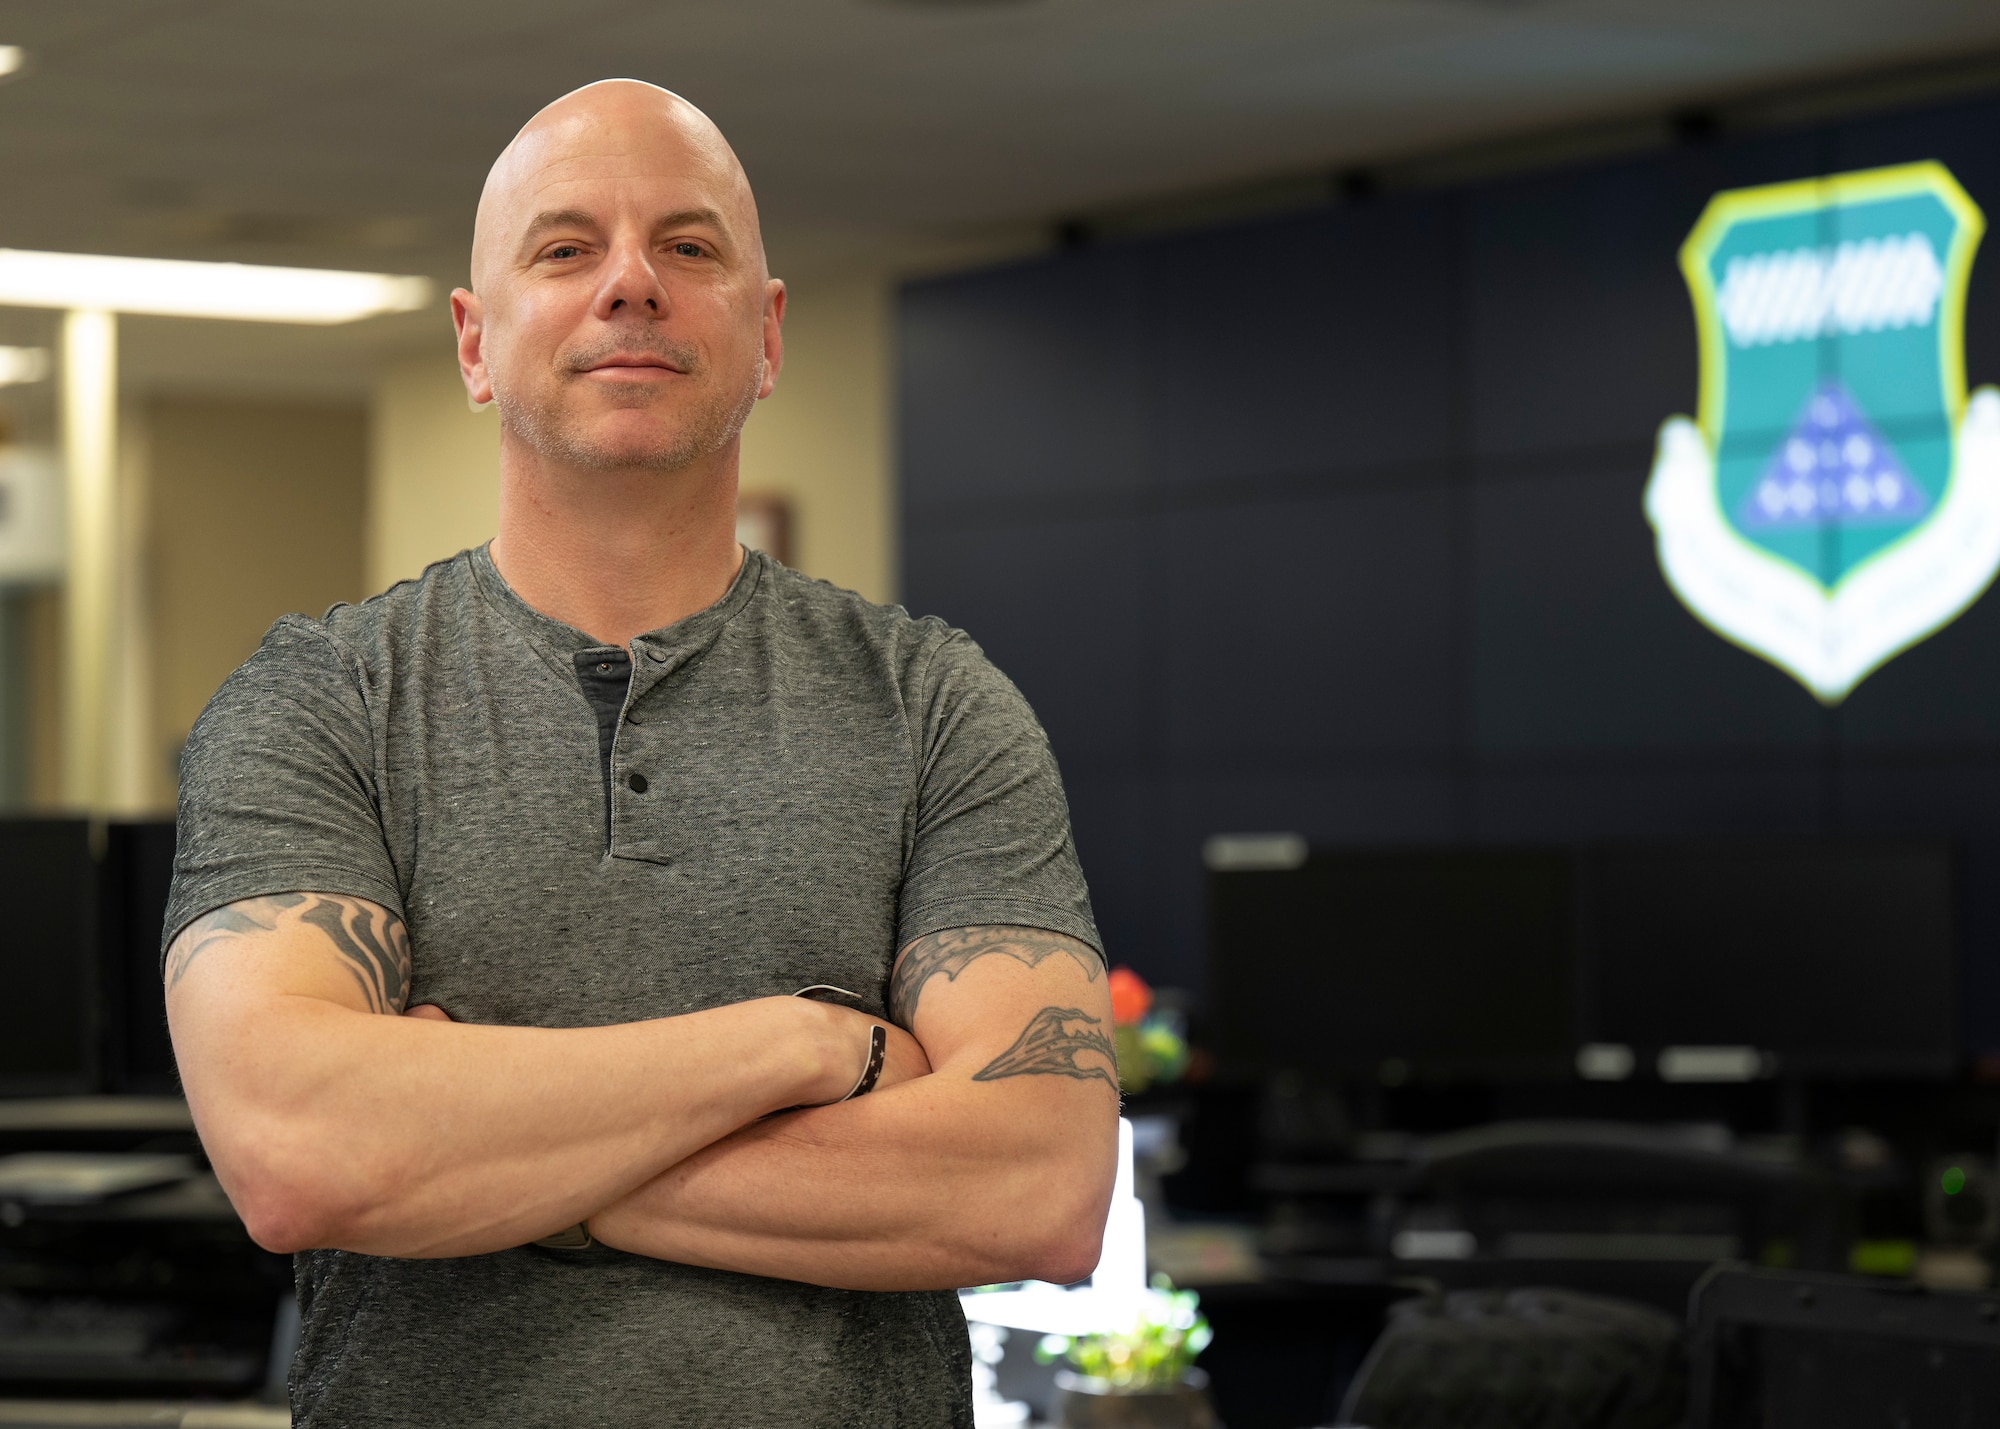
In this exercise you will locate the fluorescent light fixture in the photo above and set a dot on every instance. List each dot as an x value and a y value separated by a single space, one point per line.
170 287
23 364
12 57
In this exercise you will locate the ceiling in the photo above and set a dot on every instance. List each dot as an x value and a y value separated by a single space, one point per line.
882 132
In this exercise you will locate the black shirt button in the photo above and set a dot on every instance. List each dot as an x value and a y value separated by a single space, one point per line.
636 783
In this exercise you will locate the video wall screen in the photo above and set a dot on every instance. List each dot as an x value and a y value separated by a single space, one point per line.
1683 961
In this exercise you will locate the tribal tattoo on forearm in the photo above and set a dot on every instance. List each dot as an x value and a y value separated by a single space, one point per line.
953 950
1051 1043
373 945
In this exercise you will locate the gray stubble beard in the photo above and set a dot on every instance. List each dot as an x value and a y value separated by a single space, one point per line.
709 429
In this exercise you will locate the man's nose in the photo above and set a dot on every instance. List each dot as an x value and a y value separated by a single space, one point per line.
630 283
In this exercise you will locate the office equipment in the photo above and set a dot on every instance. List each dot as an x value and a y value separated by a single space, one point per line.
1833 957
1392 964
48 893
129 1274
1790 1350
60 1178
1524 1359
137 1057
1602 1192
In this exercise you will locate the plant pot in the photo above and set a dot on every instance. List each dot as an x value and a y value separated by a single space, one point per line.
1085 1403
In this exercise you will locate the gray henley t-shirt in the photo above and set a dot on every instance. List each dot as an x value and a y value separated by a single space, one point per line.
801 782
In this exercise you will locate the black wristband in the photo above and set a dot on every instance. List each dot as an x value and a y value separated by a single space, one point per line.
878 1048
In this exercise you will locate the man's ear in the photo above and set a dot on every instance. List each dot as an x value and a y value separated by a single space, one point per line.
774 337
468 318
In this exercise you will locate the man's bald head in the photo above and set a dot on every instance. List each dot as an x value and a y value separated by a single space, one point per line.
627 120
622 315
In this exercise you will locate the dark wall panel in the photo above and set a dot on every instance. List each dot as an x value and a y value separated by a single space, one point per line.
1581 330
1332 523
1554 803
1305 626
1032 592
1117 820
1296 346
1580 645
1023 382
1965 138
1940 694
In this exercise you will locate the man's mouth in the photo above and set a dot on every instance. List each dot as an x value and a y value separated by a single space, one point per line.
626 362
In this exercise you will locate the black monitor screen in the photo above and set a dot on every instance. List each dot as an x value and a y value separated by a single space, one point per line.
1838 957
1387 963
138 870
47 1020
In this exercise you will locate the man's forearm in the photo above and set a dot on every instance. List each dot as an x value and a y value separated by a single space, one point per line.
941 1182
393 1136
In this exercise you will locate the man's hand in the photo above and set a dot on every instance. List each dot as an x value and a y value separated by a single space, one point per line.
998 1166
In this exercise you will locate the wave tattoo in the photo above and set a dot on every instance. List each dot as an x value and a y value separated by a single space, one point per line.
373 945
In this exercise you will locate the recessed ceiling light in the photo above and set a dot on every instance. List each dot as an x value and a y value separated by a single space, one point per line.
173 287
12 57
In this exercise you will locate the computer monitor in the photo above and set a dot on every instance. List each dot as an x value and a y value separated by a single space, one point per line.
138 868
48 983
1392 964
1835 957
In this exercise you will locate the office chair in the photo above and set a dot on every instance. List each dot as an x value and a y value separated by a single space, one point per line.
1794 1350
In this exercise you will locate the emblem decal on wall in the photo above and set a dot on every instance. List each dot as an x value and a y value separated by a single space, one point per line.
1838 498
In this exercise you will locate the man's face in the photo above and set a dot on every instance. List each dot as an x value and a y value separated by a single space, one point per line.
622 318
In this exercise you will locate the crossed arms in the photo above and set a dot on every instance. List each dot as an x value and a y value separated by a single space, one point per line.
333 1120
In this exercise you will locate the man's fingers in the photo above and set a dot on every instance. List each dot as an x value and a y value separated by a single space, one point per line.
428 1012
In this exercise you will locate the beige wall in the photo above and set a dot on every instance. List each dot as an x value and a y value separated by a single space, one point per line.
43 774
821 441
433 469
256 511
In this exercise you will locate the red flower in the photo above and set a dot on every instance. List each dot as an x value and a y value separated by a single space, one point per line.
1130 997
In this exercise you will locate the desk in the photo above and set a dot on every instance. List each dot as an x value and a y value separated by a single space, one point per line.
158 1291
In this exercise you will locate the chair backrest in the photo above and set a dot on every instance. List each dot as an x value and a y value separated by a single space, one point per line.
1522 1359
1794 1350
1600 1166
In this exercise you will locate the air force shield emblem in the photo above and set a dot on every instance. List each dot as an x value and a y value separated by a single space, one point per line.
1839 498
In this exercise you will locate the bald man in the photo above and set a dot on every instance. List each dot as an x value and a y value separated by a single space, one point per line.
494 896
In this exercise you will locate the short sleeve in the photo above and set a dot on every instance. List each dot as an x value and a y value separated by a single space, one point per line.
278 785
992 840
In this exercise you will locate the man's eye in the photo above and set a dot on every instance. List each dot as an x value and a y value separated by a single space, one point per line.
687 250
565 250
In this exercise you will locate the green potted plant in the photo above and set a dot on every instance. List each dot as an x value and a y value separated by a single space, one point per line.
1142 1378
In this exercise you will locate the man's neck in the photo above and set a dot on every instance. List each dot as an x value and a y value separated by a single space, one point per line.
617 553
